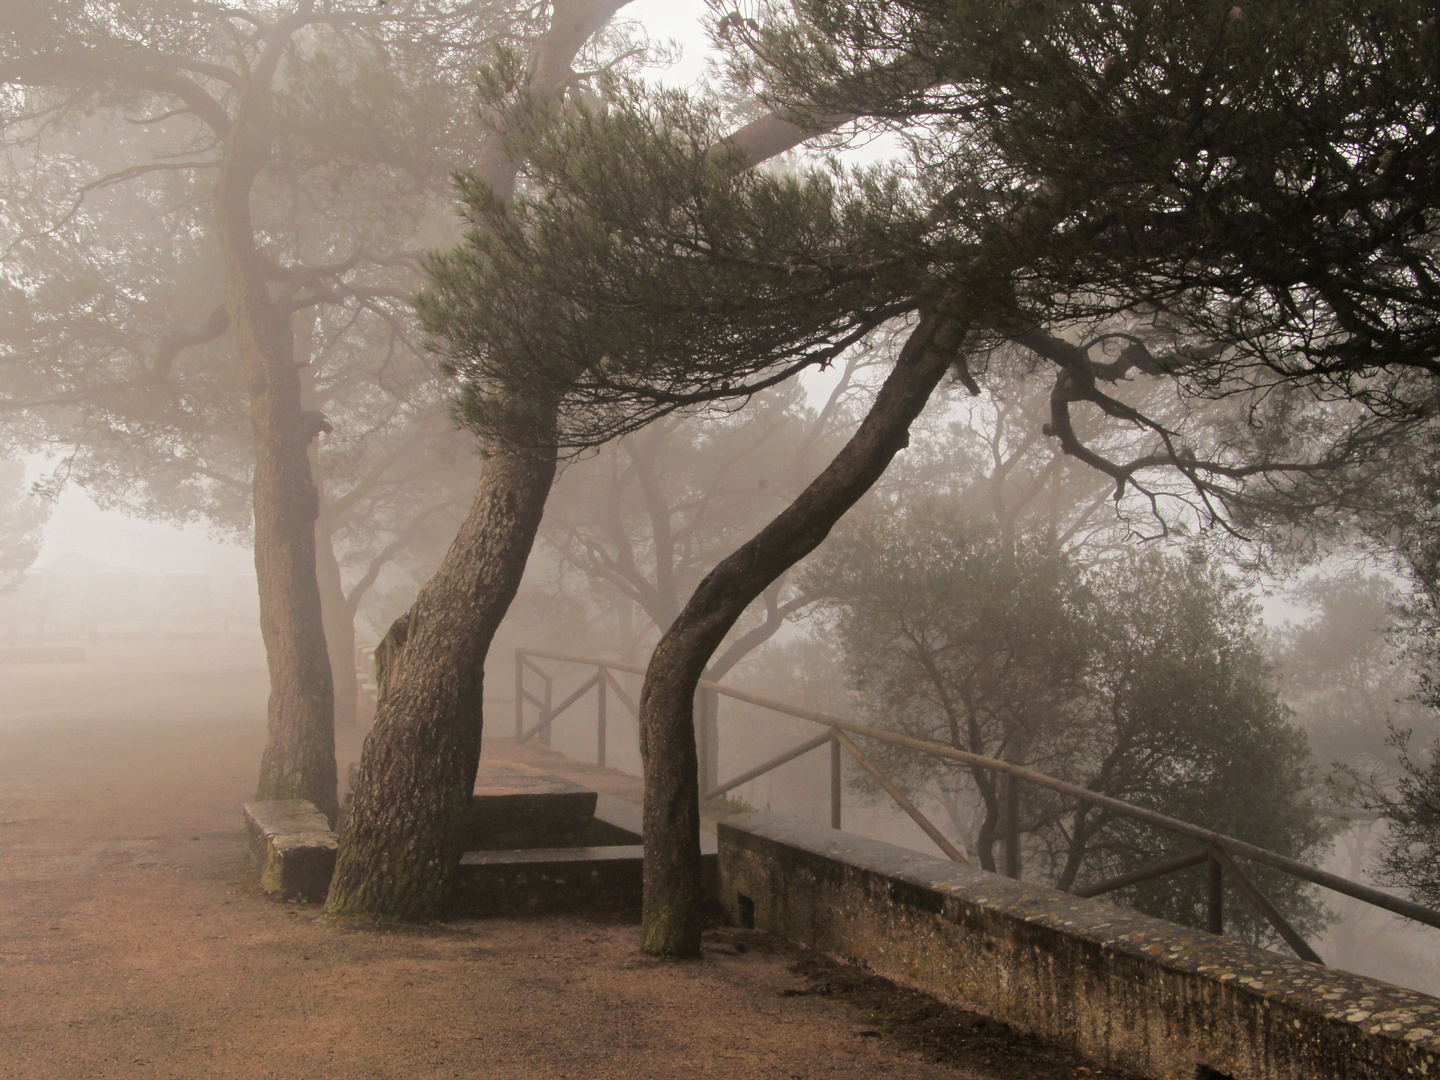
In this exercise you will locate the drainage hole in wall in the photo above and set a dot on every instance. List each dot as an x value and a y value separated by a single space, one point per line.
1205 1072
747 914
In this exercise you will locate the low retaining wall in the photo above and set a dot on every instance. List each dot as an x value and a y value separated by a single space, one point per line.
1123 989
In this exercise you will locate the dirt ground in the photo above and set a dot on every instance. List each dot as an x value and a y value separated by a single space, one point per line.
133 942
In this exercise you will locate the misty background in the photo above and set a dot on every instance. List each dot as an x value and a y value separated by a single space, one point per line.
603 582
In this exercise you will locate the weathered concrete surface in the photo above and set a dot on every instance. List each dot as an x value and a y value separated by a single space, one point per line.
587 880
620 786
519 806
1123 989
295 847
616 823
574 880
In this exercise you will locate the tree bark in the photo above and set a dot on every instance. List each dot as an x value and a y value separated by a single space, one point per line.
402 840
401 846
298 761
339 623
673 913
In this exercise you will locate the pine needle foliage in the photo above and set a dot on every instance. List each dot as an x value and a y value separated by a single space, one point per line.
1267 171
645 267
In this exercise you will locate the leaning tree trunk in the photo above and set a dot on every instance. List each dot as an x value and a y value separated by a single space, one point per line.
299 757
339 621
401 845
673 915
403 834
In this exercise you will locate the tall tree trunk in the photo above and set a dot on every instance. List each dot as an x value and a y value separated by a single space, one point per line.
673 915
402 840
339 621
299 756
401 846
985 840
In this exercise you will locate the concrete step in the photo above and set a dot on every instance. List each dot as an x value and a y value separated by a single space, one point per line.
540 880
616 823
538 843
517 806
580 880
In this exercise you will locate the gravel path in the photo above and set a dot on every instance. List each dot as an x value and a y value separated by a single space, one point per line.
133 942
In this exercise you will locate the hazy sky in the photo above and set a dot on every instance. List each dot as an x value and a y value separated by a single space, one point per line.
678 19
80 532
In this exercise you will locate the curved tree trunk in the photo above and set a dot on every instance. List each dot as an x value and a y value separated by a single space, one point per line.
402 837
299 756
401 845
673 916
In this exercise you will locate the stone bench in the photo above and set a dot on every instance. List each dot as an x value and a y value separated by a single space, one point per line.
295 847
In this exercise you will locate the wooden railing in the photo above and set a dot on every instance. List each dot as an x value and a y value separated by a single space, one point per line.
1216 850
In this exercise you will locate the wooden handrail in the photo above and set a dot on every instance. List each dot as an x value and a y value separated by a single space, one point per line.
620 693
1145 873
549 715
1274 860
763 768
941 841
588 661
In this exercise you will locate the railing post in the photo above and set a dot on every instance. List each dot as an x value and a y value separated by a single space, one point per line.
545 711
519 694
900 798
1012 826
702 739
711 734
600 722
1272 914
834 780
1215 894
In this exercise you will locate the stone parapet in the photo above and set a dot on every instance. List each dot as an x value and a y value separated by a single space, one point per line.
1120 988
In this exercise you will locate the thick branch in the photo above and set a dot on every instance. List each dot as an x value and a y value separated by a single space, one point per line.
177 341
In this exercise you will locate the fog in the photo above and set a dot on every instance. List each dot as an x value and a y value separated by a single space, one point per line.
192 587
1205 590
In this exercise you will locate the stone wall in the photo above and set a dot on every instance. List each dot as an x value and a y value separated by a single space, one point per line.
1123 989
